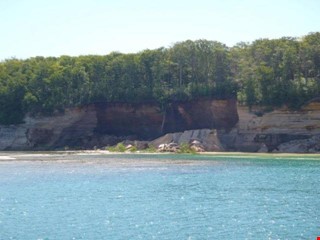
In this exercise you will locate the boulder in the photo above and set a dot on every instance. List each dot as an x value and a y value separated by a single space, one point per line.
139 145
311 145
129 147
170 147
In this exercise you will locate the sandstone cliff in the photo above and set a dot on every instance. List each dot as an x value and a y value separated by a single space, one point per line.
266 132
107 123
48 132
148 121
224 127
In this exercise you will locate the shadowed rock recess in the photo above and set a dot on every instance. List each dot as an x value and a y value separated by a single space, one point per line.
147 121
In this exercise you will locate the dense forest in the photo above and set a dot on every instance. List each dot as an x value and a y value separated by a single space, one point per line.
275 72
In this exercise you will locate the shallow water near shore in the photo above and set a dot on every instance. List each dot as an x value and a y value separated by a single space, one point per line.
150 196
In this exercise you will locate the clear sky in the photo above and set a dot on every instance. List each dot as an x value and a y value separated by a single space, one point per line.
80 27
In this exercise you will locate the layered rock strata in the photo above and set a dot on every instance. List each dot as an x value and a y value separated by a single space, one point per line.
104 124
214 125
258 131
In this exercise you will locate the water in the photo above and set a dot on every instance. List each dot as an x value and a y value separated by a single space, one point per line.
160 197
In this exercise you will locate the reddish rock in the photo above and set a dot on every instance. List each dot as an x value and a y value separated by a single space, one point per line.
147 121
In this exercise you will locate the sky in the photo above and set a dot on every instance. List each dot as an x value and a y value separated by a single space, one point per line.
32 28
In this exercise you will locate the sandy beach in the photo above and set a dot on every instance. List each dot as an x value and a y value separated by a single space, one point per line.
147 158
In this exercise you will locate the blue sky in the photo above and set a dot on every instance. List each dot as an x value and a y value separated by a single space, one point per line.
80 27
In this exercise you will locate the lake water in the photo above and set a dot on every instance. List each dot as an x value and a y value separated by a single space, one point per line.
160 197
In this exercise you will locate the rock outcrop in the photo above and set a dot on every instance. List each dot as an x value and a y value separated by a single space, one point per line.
208 125
43 133
205 139
310 145
148 121
257 131
104 124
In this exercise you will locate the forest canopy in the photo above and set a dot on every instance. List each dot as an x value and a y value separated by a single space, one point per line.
266 72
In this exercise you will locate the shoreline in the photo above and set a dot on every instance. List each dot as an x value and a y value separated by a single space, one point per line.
106 156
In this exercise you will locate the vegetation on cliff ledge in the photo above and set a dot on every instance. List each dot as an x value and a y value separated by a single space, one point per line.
266 72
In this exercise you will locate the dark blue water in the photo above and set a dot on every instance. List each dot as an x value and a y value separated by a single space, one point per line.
215 198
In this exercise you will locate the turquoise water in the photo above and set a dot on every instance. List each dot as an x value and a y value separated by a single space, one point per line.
160 197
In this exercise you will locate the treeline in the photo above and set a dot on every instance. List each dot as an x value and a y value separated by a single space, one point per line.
278 72
265 72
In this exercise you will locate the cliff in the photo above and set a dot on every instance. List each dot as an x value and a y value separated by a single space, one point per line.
48 132
274 131
104 124
219 125
147 121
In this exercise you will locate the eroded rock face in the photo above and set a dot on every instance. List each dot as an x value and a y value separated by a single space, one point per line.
217 114
311 145
255 131
42 133
13 137
123 119
206 138
148 121
106 124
